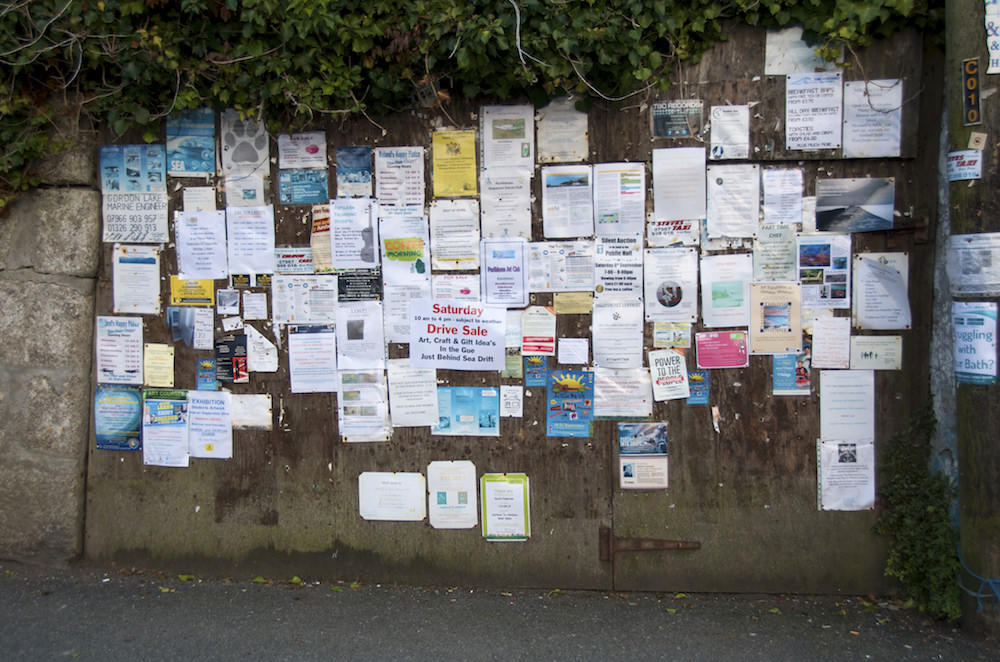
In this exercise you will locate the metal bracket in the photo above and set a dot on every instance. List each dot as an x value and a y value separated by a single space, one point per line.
609 544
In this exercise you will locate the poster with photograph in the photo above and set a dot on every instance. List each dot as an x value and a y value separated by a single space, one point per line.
619 198
567 201
508 134
855 205
360 343
671 284
775 318
302 187
725 289
354 171
117 417
791 373
642 455
191 143
825 270
569 404
362 406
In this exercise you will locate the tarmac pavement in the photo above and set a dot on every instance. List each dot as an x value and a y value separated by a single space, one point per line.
106 614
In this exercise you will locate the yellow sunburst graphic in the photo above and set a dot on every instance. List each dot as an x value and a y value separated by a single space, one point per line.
569 383
535 360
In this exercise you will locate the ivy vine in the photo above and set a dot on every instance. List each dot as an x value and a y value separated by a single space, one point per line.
131 62
923 542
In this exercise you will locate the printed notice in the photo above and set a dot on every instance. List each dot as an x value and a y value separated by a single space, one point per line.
385 496
846 474
456 335
813 110
873 113
668 371
567 201
506 508
974 327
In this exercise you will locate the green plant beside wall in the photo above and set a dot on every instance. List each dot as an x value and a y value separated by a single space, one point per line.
922 540
132 62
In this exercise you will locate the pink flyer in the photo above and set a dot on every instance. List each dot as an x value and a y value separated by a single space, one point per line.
722 349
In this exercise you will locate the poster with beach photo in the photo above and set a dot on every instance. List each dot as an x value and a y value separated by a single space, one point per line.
855 205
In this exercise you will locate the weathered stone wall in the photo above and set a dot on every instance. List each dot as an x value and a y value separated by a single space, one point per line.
49 248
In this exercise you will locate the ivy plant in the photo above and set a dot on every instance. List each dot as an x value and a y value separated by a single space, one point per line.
131 62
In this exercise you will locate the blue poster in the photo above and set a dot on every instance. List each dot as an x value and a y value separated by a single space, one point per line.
468 411
191 143
791 373
354 171
643 439
207 380
117 413
536 371
133 168
302 187
569 404
699 386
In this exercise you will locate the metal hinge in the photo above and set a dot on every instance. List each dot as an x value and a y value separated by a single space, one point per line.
609 544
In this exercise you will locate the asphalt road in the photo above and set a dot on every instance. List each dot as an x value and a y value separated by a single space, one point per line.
109 615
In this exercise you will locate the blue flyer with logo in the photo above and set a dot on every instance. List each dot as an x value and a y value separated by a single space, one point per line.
302 187
699 387
536 370
569 404
117 417
191 143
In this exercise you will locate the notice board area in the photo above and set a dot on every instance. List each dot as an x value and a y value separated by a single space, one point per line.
742 464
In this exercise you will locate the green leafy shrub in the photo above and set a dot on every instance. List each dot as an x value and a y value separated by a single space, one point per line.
131 62
922 540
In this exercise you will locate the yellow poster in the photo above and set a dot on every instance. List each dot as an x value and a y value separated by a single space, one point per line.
191 292
573 303
158 365
454 164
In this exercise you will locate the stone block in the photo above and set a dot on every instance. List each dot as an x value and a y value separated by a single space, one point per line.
74 163
47 325
53 231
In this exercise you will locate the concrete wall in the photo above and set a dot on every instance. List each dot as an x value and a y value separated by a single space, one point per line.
49 248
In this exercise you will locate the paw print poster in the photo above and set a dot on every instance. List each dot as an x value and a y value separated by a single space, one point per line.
245 145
